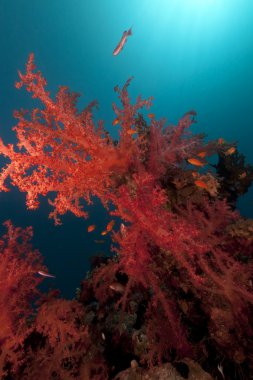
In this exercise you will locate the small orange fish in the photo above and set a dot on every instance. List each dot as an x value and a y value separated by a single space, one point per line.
115 121
103 233
195 174
110 225
117 287
131 131
243 175
230 151
151 115
202 154
196 162
220 141
91 228
201 184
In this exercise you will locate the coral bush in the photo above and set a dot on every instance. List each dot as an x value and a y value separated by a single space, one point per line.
18 290
42 337
180 280
59 345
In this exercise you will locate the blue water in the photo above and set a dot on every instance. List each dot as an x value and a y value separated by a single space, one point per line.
188 54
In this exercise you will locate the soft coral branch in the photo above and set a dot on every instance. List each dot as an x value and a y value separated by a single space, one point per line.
61 151
128 113
18 290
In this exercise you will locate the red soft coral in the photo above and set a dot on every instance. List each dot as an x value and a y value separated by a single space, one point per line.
18 290
166 247
62 151
64 342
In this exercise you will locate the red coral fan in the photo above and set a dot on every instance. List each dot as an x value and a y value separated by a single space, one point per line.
60 150
64 348
175 245
39 339
166 251
18 290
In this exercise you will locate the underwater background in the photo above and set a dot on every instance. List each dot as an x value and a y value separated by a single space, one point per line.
187 54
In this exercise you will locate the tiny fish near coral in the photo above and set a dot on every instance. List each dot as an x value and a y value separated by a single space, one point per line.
91 228
44 274
117 287
110 225
115 121
196 162
230 151
202 154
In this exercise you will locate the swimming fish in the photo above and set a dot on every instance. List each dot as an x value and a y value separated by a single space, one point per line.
122 42
123 229
91 228
103 233
201 184
44 274
151 115
110 225
196 162
230 151
115 121
117 287
243 175
131 131
220 368
202 154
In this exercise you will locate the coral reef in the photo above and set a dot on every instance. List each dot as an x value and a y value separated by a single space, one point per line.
178 281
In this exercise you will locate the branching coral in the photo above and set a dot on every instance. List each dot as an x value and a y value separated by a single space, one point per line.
176 244
18 290
60 150
40 337
63 347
